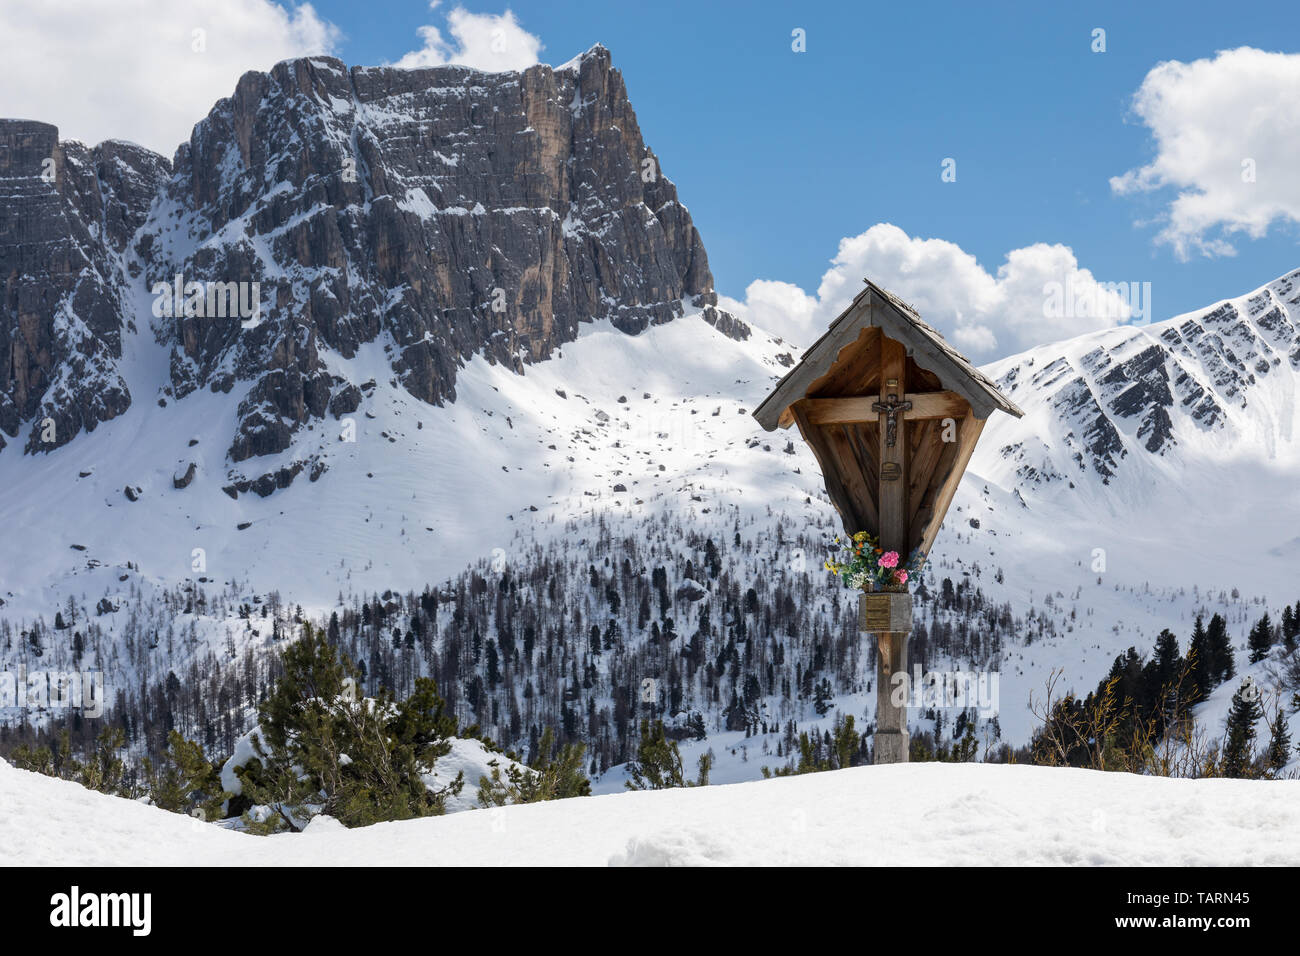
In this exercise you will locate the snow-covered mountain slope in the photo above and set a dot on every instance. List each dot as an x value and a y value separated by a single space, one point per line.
1174 447
410 493
939 815
413 492
616 441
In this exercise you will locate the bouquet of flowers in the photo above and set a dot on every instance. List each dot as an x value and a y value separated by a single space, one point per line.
864 566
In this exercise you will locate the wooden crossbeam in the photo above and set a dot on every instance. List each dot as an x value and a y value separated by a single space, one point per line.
846 411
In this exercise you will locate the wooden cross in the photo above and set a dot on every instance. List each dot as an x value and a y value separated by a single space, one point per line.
890 410
887 469
887 487
896 501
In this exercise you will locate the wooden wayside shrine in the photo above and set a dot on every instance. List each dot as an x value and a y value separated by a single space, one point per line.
892 413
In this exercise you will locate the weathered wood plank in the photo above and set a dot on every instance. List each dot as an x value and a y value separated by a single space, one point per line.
925 457
885 612
855 364
932 356
882 313
893 490
920 378
891 742
839 496
854 475
840 411
936 405
968 433
867 447
818 360
922 510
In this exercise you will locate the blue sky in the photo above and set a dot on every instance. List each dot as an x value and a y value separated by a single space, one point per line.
780 154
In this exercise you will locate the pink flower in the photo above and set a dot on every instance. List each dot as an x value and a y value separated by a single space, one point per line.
900 577
889 559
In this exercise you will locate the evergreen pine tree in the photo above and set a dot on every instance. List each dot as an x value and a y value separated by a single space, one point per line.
1261 639
1202 658
322 748
1289 627
735 716
705 765
35 759
847 743
549 778
104 768
658 763
185 781
1164 662
1160 677
1223 667
823 697
1238 747
1279 744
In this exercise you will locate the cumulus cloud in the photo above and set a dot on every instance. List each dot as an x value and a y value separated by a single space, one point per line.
1226 133
1039 293
779 308
484 41
142 70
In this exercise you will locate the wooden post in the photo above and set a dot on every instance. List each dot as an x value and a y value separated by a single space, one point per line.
891 741
889 616
893 458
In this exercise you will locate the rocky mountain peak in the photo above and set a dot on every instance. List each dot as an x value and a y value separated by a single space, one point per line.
67 213
441 212
1119 399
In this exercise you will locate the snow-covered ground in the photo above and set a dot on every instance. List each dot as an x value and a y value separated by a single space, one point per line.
415 493
909 814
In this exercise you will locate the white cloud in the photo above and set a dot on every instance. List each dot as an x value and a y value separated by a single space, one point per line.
778 308
1039 294
484 41
1212 121
129 69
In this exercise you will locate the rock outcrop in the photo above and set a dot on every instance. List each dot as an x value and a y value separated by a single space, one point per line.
1123 397
446 211
442 212
67 213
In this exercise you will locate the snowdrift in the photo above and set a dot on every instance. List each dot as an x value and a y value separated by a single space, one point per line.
937 814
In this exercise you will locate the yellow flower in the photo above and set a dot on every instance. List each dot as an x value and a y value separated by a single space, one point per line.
860 537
